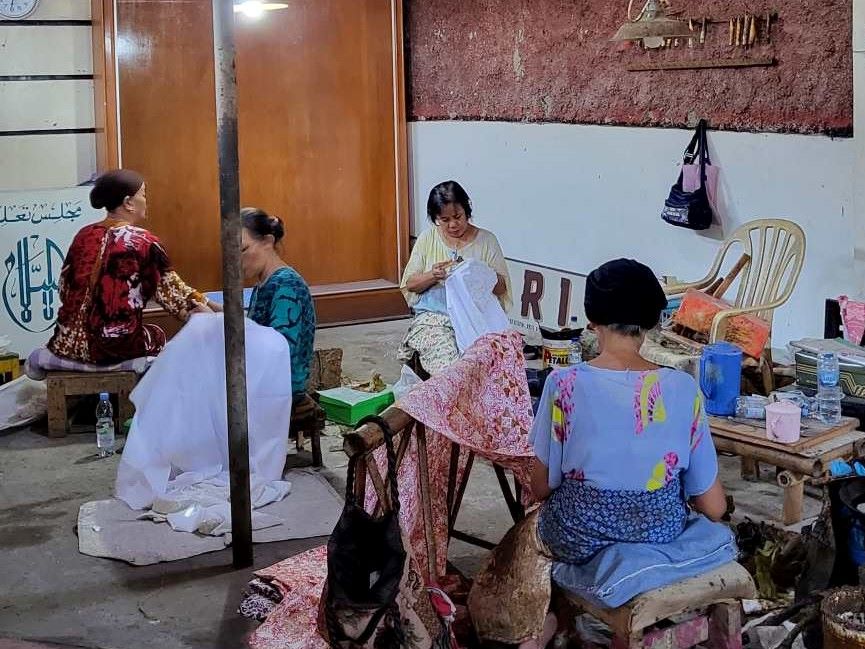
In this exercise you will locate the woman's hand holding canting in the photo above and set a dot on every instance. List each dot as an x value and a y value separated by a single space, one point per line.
440 271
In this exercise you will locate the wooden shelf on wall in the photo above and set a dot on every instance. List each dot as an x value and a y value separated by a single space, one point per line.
706 64
336 308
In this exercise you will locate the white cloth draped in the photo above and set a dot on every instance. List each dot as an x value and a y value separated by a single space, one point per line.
472 308
180 422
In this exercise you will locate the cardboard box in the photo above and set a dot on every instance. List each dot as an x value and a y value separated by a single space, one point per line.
10 368
347 406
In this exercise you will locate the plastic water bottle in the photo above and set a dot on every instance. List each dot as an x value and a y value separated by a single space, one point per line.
828 391
828 371
753 407
575 356
104 426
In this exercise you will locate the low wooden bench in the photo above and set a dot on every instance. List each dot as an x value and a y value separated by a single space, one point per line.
807 459
74 384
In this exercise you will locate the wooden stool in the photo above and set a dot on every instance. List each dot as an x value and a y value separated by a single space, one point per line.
712 598
73 384
307 419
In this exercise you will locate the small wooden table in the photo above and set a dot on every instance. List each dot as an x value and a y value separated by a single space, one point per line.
806 459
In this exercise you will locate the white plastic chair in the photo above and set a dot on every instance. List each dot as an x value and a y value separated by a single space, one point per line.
776 251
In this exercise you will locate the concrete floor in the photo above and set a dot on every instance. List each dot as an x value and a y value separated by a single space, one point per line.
51 593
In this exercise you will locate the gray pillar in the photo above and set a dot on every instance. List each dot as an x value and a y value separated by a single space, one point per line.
232 280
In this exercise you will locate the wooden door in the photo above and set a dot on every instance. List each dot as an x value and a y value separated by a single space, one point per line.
321 130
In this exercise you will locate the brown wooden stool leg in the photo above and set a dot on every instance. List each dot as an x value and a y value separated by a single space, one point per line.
750 469
794 494
725 627
317 461
125 410
57 422
634 641
319 422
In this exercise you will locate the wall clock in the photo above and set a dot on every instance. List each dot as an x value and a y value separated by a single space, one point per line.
17 9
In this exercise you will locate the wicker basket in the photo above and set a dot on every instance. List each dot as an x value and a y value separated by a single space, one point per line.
844 619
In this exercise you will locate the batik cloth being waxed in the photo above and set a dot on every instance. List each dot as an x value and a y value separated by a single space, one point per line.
482 403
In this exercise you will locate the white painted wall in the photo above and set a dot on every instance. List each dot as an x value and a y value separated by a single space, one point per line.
38 161
859 129
574 196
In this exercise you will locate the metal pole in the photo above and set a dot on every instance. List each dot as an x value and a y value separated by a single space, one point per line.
232 280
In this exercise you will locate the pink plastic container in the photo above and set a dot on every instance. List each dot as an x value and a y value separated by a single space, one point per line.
783 422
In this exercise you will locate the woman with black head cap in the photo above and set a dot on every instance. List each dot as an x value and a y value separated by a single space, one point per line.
626 468
112 270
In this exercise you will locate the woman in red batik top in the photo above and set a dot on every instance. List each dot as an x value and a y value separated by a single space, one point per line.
112 270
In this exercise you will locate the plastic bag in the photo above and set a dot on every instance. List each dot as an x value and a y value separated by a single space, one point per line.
407 380
691 181
22 401
591 632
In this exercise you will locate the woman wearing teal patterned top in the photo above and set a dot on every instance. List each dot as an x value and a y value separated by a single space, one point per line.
281 298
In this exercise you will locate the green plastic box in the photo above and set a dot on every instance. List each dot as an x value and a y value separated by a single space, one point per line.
347 406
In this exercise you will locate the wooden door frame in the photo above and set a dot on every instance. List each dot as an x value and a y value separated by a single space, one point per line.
334 306
105 99
400 137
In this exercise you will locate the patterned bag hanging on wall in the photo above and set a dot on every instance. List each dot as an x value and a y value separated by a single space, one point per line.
691 209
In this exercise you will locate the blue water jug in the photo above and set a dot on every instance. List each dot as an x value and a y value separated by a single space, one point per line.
721 377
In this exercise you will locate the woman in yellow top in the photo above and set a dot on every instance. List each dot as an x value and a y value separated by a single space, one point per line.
453 238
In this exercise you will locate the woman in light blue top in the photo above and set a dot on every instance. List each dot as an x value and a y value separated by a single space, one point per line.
431 334
623 444
624 448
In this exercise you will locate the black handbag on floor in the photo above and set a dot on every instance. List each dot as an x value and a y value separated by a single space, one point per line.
691 209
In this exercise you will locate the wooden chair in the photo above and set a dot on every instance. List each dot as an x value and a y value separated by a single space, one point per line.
775 250
363 442
703 610
68 384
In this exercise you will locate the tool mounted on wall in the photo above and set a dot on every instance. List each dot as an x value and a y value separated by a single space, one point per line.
707 64
748 30
652 22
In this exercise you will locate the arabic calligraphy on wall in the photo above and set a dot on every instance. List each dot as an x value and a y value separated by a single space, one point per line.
36 213
36 228
32 275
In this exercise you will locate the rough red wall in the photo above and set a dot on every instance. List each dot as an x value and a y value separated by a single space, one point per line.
552 61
